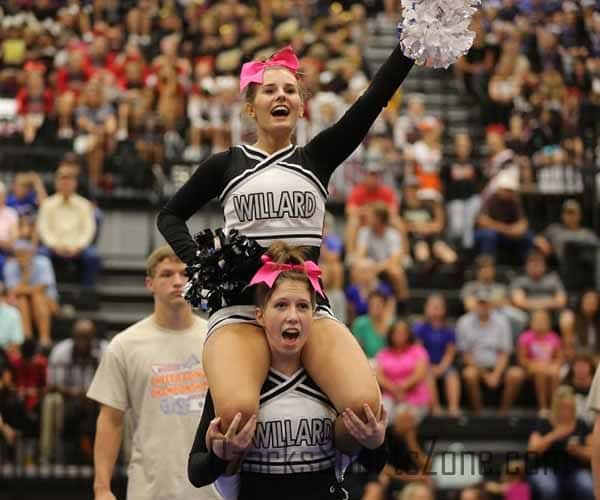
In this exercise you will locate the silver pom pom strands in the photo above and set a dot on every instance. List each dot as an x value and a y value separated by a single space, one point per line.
436 33
221 270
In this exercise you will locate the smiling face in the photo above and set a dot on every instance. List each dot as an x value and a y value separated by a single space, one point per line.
276 104
287 318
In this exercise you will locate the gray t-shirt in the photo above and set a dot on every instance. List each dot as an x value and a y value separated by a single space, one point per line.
156 376
497 291
558 235
380 247
484 341
546 287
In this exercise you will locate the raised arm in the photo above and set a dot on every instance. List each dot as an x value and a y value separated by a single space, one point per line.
205 184
334 144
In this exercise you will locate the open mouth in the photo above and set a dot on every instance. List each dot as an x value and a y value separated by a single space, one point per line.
290 334
280 111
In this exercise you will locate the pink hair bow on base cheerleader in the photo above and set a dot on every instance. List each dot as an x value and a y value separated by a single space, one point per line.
253 72
270 270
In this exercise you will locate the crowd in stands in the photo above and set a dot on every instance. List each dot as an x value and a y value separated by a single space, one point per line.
131 87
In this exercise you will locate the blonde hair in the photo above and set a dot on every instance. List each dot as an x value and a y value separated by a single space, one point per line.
157 256
411 489
562 394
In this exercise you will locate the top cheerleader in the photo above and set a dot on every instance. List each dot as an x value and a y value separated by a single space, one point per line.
274 190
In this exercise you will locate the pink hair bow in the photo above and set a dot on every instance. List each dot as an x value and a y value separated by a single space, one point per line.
270 270
253 72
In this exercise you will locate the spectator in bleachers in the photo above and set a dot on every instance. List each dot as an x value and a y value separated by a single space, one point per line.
439 340
462 180
11 326
401 369
363 281
30 280
504 87
502 222
35 101
539 289
28 192
71 367
579 378
96 128
67 226
485 279
370 329
387 247
70 80
553 239
370 190
581 329
426 155
485 343
424 220
30 369
540 354
474 68
406 126
12 411
499 155
563 446
9 220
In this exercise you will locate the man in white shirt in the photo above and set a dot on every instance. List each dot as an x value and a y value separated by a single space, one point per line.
67 226
153 372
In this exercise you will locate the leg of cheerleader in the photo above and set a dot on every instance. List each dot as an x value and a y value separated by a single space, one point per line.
236 361
337 363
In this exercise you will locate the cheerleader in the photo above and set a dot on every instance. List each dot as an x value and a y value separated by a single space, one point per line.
288 448
272 191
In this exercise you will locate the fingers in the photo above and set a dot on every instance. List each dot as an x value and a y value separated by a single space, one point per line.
351 427
247 433
371 419
233 426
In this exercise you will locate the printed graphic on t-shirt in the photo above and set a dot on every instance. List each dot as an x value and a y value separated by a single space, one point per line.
180 387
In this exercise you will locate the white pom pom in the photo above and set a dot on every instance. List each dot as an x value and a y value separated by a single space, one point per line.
436 32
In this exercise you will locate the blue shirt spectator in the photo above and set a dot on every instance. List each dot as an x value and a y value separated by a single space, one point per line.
41 273
435 340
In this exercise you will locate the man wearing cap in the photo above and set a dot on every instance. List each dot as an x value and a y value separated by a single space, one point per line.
555 237
501 221
67 226
484 339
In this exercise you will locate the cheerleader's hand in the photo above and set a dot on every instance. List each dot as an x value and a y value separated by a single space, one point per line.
371 435
233 444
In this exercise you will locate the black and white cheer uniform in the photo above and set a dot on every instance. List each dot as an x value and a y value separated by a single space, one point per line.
279 196
292 455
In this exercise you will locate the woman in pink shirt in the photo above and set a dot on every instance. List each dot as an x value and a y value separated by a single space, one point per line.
401 370
540 353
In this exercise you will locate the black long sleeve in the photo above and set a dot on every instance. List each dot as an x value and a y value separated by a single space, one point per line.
205 184
374 460
204 467
332 146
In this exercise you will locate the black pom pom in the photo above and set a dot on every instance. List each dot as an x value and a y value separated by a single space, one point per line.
223 267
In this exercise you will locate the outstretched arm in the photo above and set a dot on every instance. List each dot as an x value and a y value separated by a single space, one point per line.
334 144
205 184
